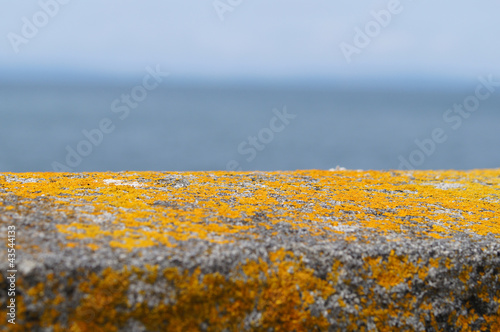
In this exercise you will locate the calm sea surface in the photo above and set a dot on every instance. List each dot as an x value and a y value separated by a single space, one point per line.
205 128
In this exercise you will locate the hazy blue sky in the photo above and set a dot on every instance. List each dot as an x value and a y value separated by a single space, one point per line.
257 38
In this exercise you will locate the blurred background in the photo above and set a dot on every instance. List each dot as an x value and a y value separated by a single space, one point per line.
251 85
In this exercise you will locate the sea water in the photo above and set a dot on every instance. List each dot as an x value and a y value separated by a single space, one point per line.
207 127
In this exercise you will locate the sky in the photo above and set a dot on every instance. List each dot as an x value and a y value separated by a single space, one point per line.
404 43
251 39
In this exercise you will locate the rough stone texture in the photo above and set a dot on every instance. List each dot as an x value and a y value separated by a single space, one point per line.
278 251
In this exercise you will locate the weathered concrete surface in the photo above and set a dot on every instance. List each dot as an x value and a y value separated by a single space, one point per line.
282 251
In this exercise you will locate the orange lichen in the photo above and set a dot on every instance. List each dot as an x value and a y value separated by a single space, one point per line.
148 209
393 271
